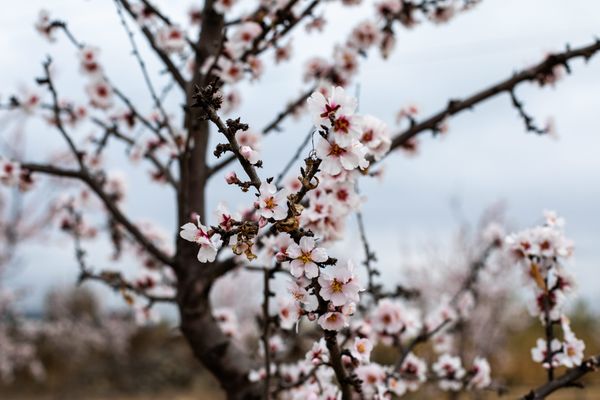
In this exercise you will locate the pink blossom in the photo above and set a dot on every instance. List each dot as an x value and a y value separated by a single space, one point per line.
323 110
245 34
332 321
449 371
339 285
480 374
539 352
414 371
231 178
361 349
289 313
375 136
249 154
198 233
44 25
171 39
572 352
305 257
223 6
90 64
272 203
365 35
100 94
337 158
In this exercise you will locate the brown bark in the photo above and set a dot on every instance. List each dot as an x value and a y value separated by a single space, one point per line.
226 361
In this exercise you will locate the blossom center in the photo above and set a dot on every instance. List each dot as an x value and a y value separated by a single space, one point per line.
305 258
336 150
102 91
336 286
200 234
270 203
329 110
341 124
342 195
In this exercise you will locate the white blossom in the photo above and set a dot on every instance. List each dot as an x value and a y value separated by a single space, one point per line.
305 257
272 203
198 234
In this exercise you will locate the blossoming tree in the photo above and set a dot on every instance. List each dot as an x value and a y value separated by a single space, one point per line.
290 223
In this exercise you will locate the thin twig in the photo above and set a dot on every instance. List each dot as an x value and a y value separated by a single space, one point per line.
295 157
530 125
157 103
47 80
173 70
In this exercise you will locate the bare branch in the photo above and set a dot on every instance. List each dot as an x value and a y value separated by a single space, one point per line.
117 282
271 126
205 99
149 155
111 278
118 92
285 16
47 80
171 67
537 72
142 64
530 125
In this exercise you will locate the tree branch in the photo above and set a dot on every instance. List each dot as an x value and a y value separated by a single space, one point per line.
271 126
108 203
567 379
204 100
47 80
171 67
142 64
537 72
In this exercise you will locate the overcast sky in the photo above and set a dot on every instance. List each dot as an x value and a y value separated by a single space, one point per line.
486 156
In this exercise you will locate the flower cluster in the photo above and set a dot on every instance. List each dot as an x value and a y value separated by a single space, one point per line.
99 91
541 252
346 138
12 175
45 26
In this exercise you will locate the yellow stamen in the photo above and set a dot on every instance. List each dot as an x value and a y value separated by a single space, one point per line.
305 258
336 286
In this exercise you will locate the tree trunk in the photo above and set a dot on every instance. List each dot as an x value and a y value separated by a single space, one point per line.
226 361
